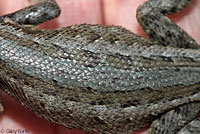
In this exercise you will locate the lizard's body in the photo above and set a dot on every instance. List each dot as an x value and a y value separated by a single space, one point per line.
99 78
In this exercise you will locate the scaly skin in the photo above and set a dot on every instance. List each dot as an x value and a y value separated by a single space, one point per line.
193 61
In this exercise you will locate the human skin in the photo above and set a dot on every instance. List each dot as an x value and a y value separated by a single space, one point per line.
106 12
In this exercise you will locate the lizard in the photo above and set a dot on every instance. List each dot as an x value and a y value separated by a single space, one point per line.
102 79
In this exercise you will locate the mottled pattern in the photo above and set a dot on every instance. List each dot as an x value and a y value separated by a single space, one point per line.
191 128
102 79
176 119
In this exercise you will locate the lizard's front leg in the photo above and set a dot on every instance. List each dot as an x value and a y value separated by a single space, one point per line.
41 11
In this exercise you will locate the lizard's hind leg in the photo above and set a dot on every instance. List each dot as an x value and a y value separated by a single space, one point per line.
160 28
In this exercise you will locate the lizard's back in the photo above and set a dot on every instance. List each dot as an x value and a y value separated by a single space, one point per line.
101 71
